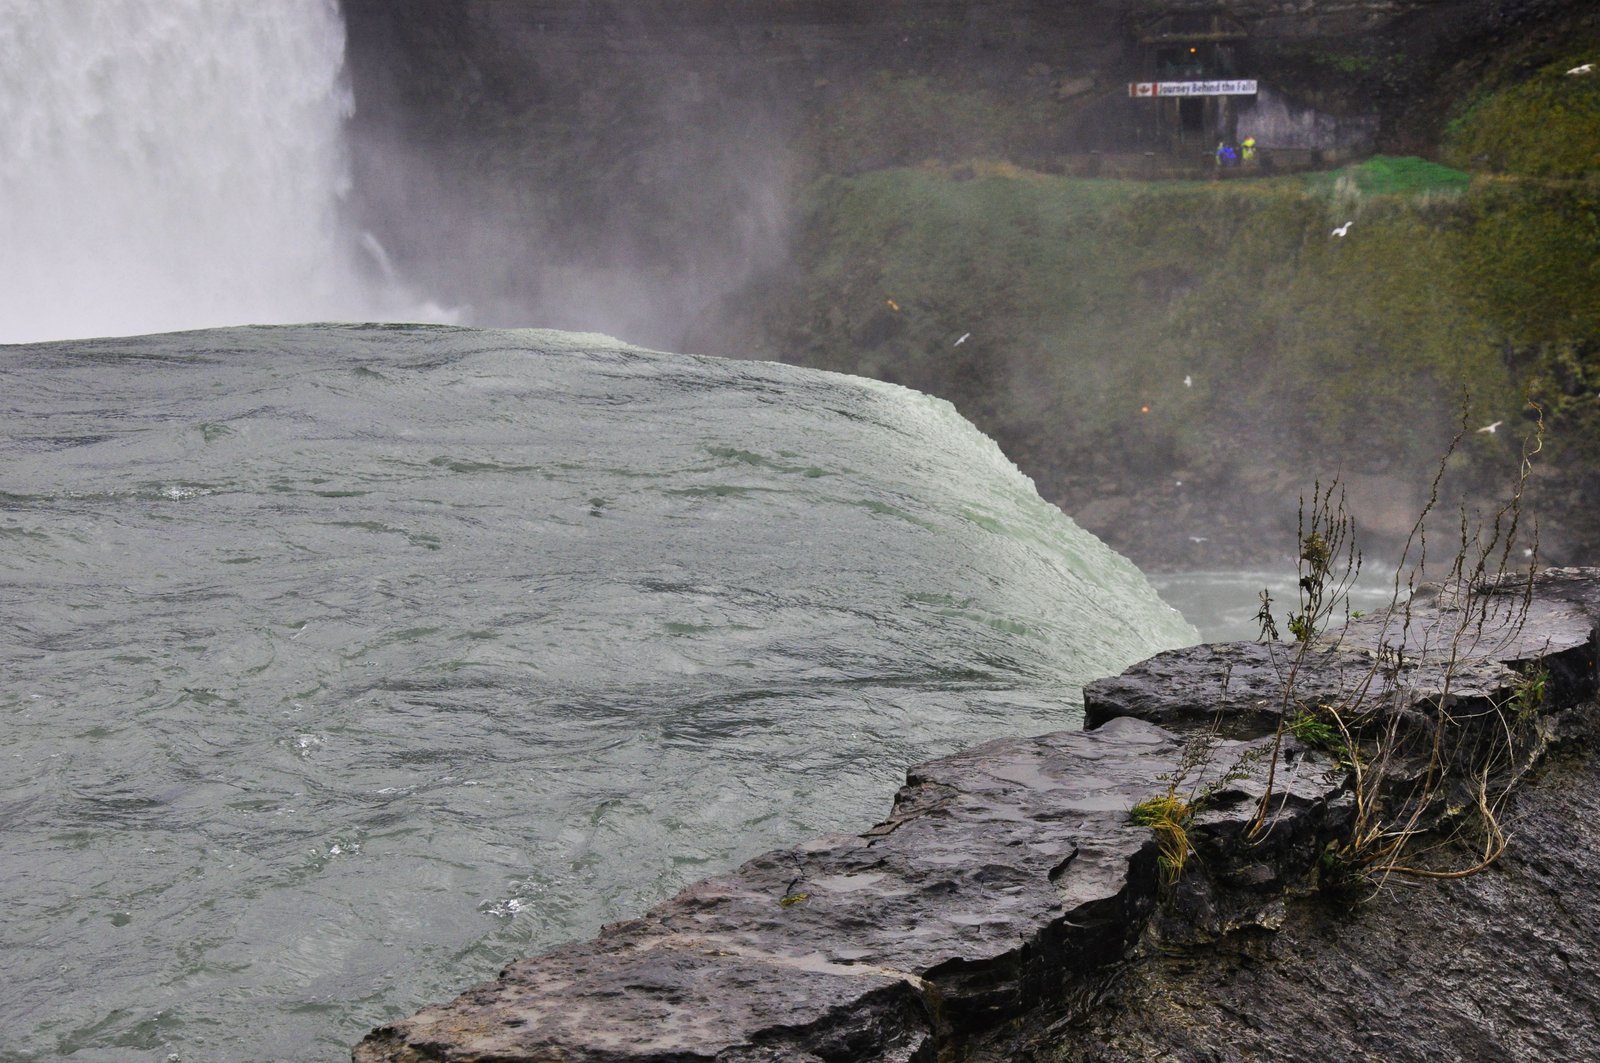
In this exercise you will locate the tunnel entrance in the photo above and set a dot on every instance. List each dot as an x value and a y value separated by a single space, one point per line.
1190 59
1192 115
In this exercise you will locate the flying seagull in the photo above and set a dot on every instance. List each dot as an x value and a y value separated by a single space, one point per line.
1341 230
1491 427
1188 381
1578 71
962 340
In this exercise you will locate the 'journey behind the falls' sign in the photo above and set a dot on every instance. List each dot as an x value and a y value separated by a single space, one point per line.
1192 88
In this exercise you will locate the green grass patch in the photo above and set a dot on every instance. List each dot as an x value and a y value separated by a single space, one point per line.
1390 175
1315 730
1168 817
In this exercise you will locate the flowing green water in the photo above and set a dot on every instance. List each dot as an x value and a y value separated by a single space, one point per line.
345 664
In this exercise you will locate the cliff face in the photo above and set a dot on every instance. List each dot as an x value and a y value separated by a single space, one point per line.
487 71
1481 968
620 166
856 186
1213 887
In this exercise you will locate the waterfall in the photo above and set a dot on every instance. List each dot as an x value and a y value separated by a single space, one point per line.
175 164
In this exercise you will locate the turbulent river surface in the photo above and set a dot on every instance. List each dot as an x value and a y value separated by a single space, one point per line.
344 664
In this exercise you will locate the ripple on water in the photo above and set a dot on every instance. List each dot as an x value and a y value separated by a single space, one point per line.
330 713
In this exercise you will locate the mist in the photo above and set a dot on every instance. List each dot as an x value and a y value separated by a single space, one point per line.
860 188
911 192
611 168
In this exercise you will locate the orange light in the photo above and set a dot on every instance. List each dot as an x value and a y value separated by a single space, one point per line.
1144 409
1191 51
893 305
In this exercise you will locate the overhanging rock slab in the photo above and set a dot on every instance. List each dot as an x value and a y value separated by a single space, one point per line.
1006 876
1009 880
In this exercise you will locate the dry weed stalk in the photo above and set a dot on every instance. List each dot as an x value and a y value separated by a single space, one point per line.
1409 772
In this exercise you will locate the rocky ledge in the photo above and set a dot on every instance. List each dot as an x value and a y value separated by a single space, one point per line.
1011 893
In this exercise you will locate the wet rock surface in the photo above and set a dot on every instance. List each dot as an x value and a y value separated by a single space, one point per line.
1474 651
1010 907
1006 876
1495 966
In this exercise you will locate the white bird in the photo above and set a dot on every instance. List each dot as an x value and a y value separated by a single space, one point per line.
1578 71
1198 539
1491 427
962 340
1341 230
1188 381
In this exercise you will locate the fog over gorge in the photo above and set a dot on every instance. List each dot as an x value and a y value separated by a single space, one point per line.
965 199
615 168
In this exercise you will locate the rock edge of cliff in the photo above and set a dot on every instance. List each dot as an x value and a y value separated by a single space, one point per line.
1010 907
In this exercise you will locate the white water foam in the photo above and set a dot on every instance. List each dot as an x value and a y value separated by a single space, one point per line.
175 164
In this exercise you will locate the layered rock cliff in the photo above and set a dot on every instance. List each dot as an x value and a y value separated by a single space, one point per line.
1027 900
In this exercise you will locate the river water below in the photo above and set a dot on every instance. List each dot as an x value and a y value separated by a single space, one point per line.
344 664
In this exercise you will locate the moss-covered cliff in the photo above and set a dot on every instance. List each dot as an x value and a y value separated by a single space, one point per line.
1130 336
1175 361
859 187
